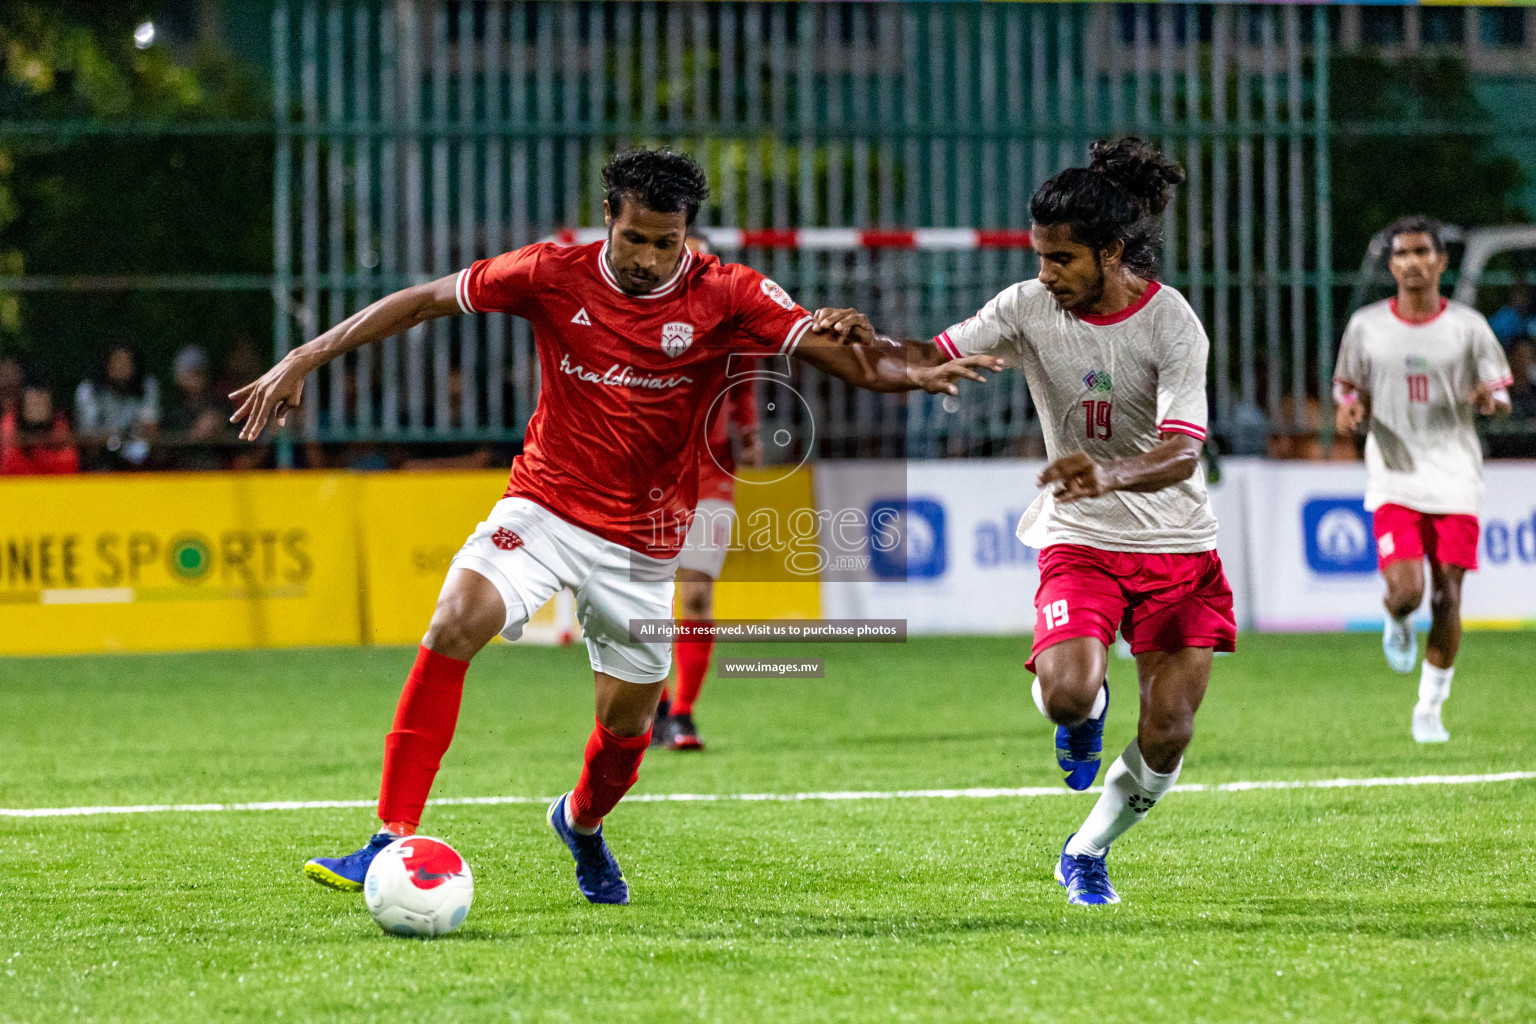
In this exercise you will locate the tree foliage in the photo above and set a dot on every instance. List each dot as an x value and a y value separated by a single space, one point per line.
94 203
1456 178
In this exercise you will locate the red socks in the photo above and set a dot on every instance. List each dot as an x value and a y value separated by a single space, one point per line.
692 659
612 766
424 722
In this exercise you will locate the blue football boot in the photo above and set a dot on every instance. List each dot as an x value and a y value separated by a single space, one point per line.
597 873
347 873
1080 748
1086 879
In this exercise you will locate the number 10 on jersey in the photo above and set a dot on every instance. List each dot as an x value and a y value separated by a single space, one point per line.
1098 419
1418 387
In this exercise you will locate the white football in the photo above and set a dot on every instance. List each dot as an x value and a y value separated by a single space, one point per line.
419 886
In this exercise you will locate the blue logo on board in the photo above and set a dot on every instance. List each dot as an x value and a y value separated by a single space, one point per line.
906 539
1338 535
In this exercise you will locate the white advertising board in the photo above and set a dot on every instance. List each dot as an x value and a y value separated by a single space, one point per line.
965 570
1312 554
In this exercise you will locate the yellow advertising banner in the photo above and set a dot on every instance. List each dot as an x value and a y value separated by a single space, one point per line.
757 581
191 561
412 525
161 562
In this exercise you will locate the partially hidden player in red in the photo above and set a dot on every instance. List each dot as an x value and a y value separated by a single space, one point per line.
1115 363
633 336
702 558
1414 372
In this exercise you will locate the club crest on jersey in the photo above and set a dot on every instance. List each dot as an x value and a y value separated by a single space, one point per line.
1417 364
675 339
1098 380
777 294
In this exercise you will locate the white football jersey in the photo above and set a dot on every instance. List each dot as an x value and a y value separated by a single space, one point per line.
1422 450
1110 386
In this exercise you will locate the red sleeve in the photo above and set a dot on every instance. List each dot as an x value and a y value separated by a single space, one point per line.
741 406
503 284
764 313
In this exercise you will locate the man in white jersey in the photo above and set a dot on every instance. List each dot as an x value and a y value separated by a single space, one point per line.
1116 365
1414 371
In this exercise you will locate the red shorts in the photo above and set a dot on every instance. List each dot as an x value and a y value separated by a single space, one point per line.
1403 533
1158 602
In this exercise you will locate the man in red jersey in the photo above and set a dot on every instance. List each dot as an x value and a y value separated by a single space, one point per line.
704 549
633 337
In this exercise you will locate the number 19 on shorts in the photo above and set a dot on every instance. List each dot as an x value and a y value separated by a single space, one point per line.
1055 614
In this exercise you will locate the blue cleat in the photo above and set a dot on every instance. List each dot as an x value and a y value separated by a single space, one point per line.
597 874
1080 749
1086 879
347 873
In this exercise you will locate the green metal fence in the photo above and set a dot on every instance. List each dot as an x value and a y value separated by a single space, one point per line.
416 136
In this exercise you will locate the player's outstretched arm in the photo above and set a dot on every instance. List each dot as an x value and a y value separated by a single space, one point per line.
282 387
836 344
1078 476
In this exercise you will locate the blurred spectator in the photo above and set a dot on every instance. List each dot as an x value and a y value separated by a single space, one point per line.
242 364
118 413
10 385
1513 322
453 455
34 439
197 418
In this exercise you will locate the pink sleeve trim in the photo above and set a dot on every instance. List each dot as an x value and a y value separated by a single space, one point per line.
948 346
1502 382
1181 427
796 332
461 292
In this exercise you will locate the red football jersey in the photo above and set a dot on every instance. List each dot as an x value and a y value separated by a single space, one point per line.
626 380
717 463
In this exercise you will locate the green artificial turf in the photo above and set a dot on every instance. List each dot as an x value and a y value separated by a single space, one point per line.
1369 904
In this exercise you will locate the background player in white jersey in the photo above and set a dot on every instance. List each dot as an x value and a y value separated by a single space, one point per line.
1414 371
1116 365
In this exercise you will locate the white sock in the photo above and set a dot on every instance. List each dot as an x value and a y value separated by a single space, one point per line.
1434 687
570 822
1099 702
1130 790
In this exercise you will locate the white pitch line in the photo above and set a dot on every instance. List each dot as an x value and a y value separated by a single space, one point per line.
892 794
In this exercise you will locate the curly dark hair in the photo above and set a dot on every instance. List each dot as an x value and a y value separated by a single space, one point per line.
657 179
1118 196
1417 225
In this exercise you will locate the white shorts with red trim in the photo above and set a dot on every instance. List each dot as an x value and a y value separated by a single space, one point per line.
529 553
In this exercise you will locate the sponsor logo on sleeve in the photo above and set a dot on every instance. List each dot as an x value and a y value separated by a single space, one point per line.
777 294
